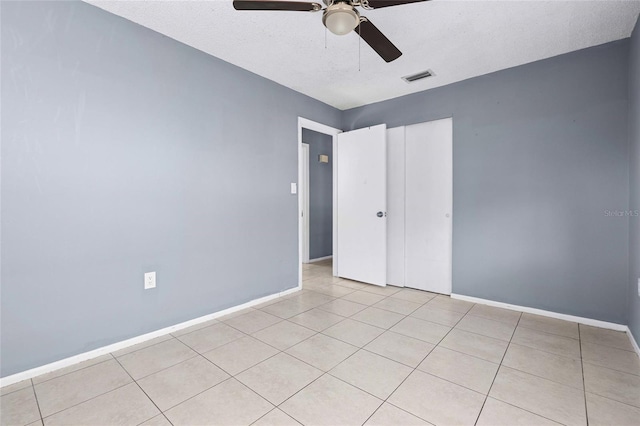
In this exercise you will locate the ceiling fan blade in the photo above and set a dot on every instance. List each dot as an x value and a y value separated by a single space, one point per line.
296 6
377 40
377 4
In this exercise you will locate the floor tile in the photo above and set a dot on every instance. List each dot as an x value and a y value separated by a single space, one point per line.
401 348
142 345
383 291
372 373
329 401
312 299
612 384
283 335
349 284
419 329
540 396
550 325
276 417
498 413
602 336
193 328
176 384
399 306
609 357
506 316
413 295
330 290
75 367
605 412
253 321
285 309
439 316
65 391
127 405
240 354
316 319
476 345
19 407
229 403
486 327
342 307
211 337
465 370
279 377
388 415
275 300
157 357
159 420
437 401
15 387
561 369
552 343
354 332
449 304
238 313
322 352
363 297
378 317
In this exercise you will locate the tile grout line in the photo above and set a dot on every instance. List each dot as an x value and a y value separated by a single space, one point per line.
143 391
33 389
584 385
386 400
498 370
92 398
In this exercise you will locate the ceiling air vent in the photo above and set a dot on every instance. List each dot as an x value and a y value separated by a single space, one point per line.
418 76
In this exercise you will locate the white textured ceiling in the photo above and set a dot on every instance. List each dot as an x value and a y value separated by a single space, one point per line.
456 39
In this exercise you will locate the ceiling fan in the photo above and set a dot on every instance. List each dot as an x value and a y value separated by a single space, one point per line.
340 17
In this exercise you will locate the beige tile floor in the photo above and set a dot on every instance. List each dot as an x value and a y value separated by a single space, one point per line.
345 353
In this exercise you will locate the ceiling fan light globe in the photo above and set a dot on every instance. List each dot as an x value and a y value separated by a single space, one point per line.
341 19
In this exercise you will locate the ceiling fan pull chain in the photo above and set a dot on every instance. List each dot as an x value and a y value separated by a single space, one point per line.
359 44
325 37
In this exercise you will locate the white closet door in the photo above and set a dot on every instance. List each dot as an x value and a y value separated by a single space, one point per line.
428 205
362 205
395 206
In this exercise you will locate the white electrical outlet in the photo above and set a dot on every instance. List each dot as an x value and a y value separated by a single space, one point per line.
149 280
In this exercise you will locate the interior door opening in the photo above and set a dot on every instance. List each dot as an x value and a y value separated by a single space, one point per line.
316 195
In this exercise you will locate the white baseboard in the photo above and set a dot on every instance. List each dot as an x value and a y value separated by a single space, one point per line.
320 259
572 318
47 368
634 342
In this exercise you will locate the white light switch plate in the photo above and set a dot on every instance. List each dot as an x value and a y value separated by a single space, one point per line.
294 188
149 280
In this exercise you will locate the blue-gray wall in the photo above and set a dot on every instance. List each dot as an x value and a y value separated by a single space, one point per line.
124 151
320 194
540 152
634 179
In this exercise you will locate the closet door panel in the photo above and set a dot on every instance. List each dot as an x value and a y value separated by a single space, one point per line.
428 205
395 206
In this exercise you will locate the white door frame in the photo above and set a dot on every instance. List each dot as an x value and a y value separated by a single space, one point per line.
333 132
304 192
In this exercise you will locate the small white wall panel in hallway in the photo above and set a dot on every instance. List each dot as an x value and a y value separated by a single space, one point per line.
362 199
395 206
428 205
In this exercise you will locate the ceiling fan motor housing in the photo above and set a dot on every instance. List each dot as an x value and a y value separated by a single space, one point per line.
340 17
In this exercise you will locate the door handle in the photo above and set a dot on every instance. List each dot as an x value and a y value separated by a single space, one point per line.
380 214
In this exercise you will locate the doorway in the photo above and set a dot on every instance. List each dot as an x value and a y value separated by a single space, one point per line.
316 199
